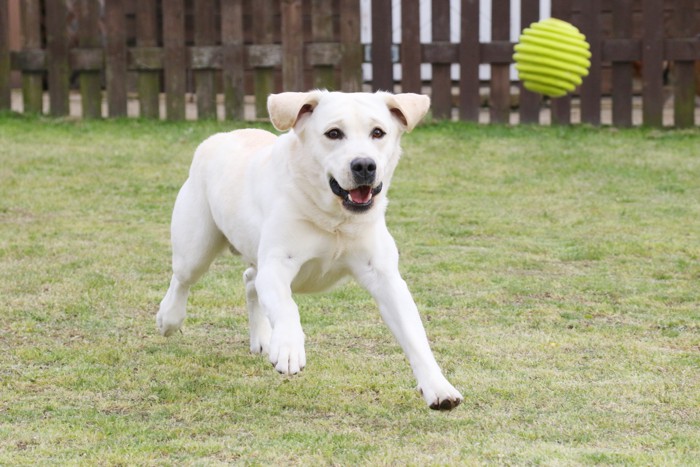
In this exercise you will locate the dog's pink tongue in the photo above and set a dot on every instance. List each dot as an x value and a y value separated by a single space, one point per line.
361 195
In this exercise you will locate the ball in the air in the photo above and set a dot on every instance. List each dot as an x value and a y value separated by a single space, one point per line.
552 57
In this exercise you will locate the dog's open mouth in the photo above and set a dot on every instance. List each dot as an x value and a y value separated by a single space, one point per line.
358 199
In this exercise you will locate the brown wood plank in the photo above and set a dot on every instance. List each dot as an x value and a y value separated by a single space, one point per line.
262 12
410 46
499 100
589 24
322 32
292 45
441 86
205 35
561 106
115 58
57 58
684 70
32 81
382 67
530 102
622 70
233 58
5 91
351 61
175 58
469 59
652 63
148 80
89 38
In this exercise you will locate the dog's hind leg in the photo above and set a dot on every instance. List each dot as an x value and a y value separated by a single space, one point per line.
260 329
196 241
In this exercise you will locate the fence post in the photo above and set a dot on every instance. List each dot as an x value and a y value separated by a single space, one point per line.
292 46
441 86
5 95
382 66
622 71
57 57
351 61
561 106
175 54
32 80
148 80
469 60
204 36
89 40
652 62
233 58
684 85
115 59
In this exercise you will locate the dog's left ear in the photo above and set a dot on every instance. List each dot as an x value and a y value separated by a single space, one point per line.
408 108
287 108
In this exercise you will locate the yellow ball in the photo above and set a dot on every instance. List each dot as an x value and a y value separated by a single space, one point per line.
552 57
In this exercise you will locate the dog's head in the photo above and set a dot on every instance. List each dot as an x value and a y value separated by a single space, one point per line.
349 143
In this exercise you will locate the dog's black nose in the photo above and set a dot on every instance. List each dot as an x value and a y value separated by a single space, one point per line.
363 170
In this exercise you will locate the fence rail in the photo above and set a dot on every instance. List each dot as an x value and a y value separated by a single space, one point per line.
234 48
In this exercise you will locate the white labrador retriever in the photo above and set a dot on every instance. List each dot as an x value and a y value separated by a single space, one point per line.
305 210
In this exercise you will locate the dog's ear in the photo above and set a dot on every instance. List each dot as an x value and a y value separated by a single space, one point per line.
408 108
287 108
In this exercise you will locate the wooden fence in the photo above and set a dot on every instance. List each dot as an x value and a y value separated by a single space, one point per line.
233 48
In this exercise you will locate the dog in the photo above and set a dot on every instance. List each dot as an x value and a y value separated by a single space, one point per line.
304 210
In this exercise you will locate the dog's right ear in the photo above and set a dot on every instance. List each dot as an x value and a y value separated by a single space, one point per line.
288 108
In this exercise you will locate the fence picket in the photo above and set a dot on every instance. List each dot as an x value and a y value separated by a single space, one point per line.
441 80
351 60
292 47
233 58
684 70
5 92
591 87
622 70
530 102
89 41
469 60
263 73
499 97
175 58
561 106
652 62
148 80
115 59
382 67
32 80
57 57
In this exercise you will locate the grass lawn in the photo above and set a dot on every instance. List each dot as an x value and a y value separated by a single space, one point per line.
557 271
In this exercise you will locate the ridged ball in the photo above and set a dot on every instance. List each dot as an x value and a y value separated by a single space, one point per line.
552 57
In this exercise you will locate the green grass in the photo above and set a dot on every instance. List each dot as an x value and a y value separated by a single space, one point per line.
557 271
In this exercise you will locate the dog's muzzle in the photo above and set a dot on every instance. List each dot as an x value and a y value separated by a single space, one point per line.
359 199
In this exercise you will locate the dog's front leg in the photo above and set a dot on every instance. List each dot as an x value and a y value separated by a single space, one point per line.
273 285
380 276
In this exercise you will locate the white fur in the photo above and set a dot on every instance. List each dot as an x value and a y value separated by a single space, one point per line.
268 198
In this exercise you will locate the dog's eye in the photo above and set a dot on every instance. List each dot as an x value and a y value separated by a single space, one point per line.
378 133
334 134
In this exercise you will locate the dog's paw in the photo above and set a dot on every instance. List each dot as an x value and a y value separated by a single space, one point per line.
167 325
440 394
260 343
287 352
260 338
